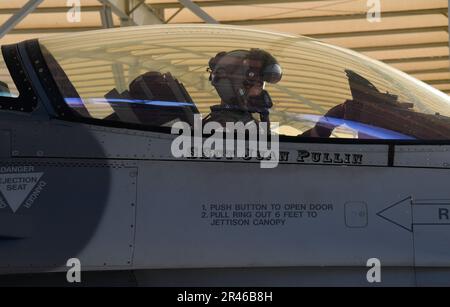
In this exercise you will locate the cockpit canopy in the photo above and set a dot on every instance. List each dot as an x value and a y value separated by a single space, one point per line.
157 75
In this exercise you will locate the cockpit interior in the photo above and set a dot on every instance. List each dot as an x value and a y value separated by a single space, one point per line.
310 89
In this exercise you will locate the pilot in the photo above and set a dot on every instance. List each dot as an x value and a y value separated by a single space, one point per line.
239 77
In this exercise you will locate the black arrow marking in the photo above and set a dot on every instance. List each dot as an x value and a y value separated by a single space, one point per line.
409 212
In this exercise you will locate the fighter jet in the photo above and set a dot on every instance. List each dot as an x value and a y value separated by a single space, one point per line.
88 174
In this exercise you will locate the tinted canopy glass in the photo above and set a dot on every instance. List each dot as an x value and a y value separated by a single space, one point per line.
158 75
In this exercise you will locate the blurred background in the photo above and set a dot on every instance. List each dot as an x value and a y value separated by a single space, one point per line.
411 35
